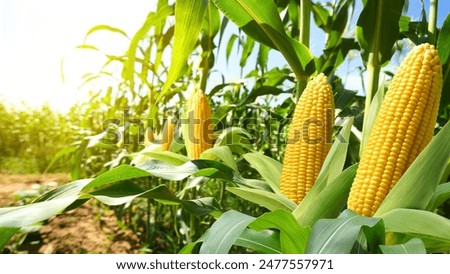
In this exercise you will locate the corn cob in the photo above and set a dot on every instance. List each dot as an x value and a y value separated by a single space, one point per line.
167 134
309 139
199 133
402 129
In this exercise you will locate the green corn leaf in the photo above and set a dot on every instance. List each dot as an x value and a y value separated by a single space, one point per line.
268 168
67 190
231 229
71 149
443 47
188 24
224 232
344 98
260 20
120 173
217 170
263 90
247 49
221 112
417 185
269 200
230 136
6 233
170 157
433 229
230 45
443 43
211 23
439 197
322 16
378 28
201 206
338 236
30 214
189 248
329 202
293 237
446 174
413 246
124 192
222 153
104 28
152 20
205 168
44 207
341 20
251 16
264 242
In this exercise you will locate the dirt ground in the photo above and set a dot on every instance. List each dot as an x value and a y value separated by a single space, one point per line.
87 229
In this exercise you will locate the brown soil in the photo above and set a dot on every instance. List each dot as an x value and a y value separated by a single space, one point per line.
89 229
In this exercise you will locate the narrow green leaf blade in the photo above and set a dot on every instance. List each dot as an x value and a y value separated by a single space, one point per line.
224 232
413 246
378 28
104 28
201 206
268 168
441 195
264 242
152 20
188 24
6 233
443 43
189 248
430 227
260 20
250 15
329 202
293 237
443 48
67 190
269 200
165 156
120 173
222 153
260 91
30 214
117 194
337 236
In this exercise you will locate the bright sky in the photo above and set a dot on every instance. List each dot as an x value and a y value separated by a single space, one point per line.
36 35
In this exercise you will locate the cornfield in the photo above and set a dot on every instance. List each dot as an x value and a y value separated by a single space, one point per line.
287 159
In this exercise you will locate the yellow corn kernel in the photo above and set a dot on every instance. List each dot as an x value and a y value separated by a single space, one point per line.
309 139
403 127
199 134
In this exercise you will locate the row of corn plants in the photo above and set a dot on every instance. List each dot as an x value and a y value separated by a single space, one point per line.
353 174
